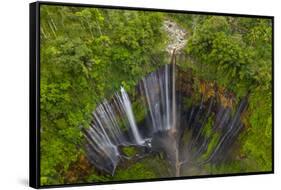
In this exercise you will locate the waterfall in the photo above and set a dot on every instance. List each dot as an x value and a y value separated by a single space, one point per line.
167 103
158 88
128 109
107 130
167 123
106 134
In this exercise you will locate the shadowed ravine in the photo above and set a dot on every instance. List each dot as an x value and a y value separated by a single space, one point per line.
189 127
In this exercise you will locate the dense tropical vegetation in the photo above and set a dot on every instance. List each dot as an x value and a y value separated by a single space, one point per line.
88 53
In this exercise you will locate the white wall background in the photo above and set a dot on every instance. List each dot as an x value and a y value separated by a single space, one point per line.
14 73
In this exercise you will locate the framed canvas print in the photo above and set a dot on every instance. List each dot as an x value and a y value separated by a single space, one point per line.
121 94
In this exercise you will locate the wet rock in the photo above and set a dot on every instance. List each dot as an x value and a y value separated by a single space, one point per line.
177 37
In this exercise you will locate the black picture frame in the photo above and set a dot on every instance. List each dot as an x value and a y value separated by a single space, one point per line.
34 92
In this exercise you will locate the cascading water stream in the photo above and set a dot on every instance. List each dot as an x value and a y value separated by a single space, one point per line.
128 109
158 88
115 118
167 124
